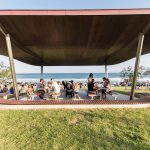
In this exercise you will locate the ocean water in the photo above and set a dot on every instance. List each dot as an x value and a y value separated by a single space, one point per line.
70 76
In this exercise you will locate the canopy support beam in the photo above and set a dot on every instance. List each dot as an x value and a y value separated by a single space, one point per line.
106 70
11 61
137 62
42 71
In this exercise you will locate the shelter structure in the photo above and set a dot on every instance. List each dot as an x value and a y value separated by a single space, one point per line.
74 37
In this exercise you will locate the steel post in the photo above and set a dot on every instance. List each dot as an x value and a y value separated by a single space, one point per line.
137 62
106 71
42 71
11 61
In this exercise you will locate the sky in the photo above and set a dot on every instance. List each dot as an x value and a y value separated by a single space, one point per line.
76 4
73 4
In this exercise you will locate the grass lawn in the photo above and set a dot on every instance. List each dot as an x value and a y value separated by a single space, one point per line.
121 89
113 129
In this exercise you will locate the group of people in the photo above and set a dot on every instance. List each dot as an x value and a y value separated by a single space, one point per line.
5 89
72 88
104 87
53 87
41 88
21 88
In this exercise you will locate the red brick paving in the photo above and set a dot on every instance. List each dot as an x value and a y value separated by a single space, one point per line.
72 102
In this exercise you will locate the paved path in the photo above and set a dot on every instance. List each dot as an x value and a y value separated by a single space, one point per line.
68 103
34 107
83 96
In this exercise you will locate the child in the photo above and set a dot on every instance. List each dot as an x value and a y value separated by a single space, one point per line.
30 92
76 90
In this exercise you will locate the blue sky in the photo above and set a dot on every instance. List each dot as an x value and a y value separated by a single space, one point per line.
73 4
76 4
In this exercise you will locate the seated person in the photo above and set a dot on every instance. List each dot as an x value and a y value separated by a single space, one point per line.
40 89
91 85
90 77
5 89
69 89
22 90
60 85
63 83
55 87
107 85
11 90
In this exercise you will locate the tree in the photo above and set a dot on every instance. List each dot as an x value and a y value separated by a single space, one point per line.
5 72
127 73
147 71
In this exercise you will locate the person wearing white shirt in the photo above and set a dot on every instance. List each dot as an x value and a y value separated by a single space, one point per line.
55 86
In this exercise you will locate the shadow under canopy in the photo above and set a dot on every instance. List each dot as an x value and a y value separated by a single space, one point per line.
74 37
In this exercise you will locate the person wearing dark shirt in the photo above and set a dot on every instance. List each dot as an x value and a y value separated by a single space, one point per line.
40 89
91 85
11 90
69 89
90 78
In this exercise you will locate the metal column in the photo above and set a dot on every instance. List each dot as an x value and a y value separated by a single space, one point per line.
42 71
137 62
106 71
11 61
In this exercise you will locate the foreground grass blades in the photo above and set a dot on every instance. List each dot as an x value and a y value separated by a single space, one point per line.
75 129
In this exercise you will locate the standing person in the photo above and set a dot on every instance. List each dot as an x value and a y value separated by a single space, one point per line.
40 89
76 90
55 87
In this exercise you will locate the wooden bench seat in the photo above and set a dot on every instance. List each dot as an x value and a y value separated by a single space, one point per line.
56 96
113 94
92 95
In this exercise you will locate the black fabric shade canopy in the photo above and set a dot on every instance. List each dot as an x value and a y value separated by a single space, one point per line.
77 37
